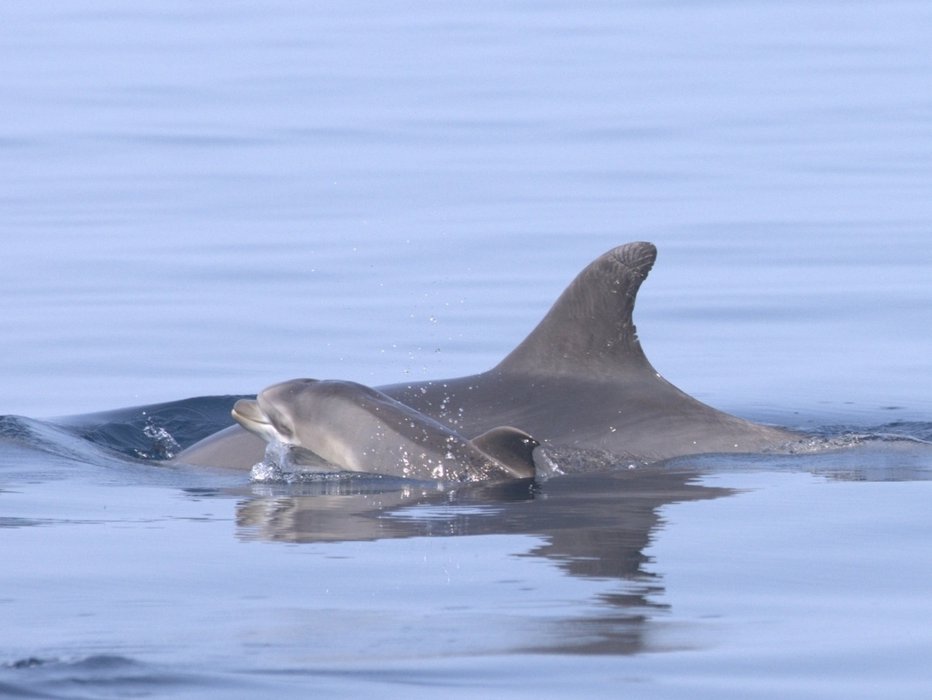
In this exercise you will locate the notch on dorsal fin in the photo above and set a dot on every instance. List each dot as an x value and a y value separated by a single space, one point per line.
513 449
589 330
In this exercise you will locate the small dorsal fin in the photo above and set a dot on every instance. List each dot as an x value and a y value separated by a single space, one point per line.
510 447
589 330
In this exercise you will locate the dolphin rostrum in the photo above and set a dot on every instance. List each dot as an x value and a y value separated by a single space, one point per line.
356 428
579 380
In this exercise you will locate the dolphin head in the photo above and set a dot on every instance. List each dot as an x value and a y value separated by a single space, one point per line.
268 416
248 414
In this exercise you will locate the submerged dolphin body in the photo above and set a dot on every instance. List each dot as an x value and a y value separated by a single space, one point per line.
579 380
356 428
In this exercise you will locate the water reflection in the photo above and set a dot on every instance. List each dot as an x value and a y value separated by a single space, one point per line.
592 526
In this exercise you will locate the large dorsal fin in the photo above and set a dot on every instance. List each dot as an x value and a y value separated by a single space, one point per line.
589 330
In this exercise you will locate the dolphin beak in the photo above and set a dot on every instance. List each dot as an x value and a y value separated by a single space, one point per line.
247 413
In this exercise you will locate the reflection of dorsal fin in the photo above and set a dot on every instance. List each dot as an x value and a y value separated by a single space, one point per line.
589 330
512 448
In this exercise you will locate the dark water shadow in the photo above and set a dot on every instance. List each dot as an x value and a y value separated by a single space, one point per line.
591 526
594 526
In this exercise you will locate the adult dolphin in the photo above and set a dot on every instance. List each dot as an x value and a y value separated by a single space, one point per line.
579 380
357 428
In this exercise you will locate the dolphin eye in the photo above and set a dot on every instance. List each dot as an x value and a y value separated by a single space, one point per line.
281 424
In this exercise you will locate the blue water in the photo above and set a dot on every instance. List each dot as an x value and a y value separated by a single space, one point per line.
205 199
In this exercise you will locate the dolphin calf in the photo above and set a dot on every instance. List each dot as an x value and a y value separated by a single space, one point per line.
357 428
579 380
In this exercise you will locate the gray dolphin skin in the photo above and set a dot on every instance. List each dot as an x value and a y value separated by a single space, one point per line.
579 380
356 428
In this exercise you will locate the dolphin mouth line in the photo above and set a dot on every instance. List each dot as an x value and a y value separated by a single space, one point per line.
247 413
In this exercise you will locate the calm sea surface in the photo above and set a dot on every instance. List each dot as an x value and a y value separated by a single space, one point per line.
206 198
